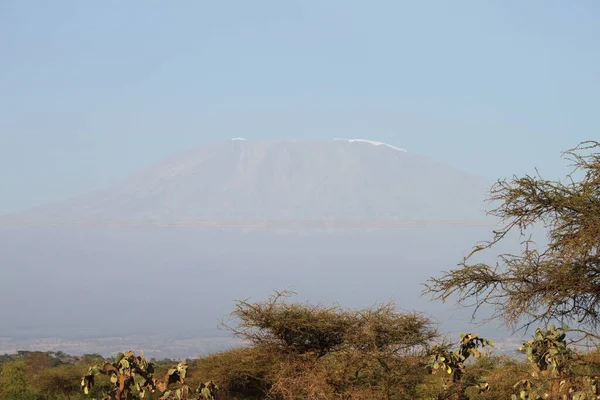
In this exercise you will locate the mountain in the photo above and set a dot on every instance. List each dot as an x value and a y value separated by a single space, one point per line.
287 180
364 222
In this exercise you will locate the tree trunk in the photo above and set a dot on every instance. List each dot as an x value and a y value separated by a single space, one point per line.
119 394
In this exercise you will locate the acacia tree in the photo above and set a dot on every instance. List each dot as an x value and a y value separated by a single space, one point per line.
327 352
557 282
291 328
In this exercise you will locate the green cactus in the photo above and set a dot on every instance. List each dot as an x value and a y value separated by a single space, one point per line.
527 391
175 375
552 376
208 390
130 375
441 359
548 353
548 350
133 377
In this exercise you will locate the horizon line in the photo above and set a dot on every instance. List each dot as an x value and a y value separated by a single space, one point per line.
13 222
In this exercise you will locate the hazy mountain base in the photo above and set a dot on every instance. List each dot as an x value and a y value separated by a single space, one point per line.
157 346
82 284
168 346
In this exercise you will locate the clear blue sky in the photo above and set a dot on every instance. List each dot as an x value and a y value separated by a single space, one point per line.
92 91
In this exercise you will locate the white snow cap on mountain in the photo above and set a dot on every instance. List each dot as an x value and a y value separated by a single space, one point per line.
373 142
239 138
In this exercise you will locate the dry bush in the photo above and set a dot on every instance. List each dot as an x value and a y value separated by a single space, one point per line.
501 373
326 352
244 372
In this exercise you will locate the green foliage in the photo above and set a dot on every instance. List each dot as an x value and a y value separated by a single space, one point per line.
15 382
60 380
14 376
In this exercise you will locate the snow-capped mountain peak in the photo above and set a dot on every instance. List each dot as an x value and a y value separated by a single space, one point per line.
373 142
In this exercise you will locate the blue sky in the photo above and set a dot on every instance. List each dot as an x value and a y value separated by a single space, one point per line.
93 91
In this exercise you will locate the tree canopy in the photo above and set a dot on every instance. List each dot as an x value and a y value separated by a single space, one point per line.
559 281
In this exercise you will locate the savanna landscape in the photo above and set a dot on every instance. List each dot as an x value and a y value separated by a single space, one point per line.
298 350
299 200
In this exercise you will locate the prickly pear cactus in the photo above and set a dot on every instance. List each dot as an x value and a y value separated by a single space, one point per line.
442 359
175 375
452 363
548 350
208 390
469 345
527 391
552 376
131 376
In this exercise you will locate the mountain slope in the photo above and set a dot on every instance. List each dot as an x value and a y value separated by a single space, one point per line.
287 179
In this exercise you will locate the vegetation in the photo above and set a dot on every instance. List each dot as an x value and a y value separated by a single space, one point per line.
453 364
319 352
303 351
380 354
126 373
557 282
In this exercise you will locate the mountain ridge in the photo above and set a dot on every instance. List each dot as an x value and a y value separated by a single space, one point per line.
281 179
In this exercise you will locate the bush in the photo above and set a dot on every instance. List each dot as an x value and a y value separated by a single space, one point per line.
244 372
326 352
